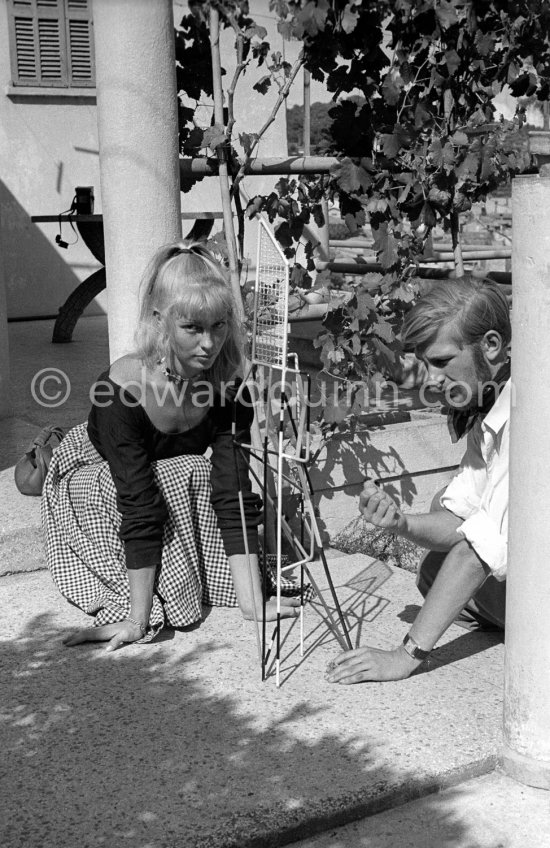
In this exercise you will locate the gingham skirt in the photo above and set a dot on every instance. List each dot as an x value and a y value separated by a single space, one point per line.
86 556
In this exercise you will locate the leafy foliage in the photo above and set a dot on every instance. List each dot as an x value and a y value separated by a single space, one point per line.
413 126
422 142
320 122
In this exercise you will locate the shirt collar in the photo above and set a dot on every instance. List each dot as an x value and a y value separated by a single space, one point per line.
499 414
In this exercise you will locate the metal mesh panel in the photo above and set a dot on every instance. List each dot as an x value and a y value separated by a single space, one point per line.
269 341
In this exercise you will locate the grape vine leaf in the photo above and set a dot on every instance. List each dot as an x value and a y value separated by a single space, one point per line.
213 137
263 85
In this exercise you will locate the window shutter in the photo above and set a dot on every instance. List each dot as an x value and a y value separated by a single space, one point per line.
23 42
24 58
51 43
80 42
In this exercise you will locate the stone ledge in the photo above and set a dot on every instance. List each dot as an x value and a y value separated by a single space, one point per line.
22 550
420 450
336 812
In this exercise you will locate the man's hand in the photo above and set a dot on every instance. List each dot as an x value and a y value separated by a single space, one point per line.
365 664
116 634
381 510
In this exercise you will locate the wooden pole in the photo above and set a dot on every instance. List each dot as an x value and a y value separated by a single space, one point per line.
223 170
457 248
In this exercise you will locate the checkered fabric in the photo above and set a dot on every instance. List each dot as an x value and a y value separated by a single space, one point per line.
86 556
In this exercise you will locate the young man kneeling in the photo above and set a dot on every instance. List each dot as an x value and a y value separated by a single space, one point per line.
461 331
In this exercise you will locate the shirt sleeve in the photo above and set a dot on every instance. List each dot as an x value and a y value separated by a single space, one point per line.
120 431
230 475
487 541
464 496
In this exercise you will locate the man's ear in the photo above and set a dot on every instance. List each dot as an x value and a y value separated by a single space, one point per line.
493 346
157 316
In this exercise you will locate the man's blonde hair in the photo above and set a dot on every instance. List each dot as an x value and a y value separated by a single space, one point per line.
473 306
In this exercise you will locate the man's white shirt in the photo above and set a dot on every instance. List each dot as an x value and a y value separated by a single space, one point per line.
479 491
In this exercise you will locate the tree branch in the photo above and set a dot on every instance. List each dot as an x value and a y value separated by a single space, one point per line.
280 100
223 170
241 65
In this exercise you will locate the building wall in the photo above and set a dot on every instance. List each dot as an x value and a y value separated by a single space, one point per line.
48 145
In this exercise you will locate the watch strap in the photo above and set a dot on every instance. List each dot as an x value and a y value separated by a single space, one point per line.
414 650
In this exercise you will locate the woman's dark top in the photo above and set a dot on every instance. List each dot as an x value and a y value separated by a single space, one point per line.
124 435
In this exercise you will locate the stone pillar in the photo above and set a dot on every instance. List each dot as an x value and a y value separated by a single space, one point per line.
526 752
138 148
5 404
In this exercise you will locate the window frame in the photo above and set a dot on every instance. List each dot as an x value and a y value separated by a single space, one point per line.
70 14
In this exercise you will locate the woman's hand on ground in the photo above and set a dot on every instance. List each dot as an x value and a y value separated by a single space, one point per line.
117 634
364 664
379 509
290 608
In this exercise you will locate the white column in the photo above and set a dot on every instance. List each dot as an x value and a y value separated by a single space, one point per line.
526 753
138 148
5 404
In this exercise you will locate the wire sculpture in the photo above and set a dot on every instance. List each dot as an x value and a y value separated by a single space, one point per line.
282 403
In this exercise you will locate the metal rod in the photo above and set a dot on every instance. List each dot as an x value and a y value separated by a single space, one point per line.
393 477
185 216
245 540
205 167
307 113
308 492
264 564
376 267
358 243
427 273
470 255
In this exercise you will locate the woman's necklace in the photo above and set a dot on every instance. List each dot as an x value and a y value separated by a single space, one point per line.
172 375
175 378
182 383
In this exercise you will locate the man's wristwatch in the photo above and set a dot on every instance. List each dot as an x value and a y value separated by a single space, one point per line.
414 650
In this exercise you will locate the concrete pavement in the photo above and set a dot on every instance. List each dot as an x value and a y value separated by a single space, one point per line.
492 811
179 744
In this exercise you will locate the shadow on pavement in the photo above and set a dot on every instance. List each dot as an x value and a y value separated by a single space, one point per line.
134 749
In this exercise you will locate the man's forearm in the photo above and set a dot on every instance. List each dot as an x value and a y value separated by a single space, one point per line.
435 531
459 578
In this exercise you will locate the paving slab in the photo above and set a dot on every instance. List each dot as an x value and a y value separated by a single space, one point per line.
16 435
18 511
21 542
178 744
50 383
492 811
